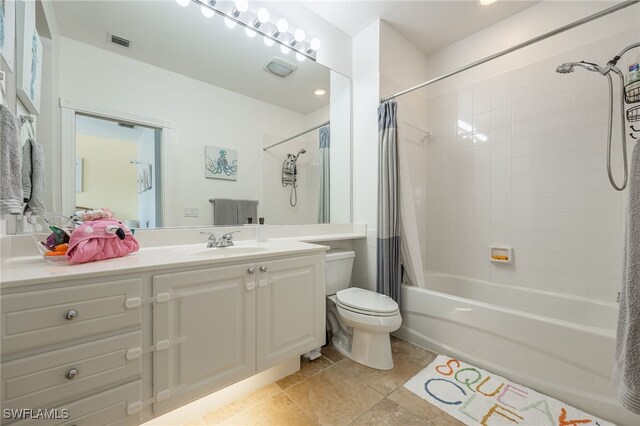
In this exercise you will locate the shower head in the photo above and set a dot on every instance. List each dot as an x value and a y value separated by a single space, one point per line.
568 67
302 151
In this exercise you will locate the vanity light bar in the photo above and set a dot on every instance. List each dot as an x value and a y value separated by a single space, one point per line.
257 25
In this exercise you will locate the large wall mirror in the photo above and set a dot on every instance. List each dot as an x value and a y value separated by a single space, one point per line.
173 119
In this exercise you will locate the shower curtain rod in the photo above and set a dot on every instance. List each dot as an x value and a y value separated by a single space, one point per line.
534 40
300 134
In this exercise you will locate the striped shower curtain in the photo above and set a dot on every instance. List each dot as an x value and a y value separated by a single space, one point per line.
388 244
323 204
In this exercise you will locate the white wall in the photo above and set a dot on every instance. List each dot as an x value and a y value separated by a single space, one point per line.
366 94
199 114
538 182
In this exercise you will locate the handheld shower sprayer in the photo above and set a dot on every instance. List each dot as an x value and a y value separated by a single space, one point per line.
569 67
290 175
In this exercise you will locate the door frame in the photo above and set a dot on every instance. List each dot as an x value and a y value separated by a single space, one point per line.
69 110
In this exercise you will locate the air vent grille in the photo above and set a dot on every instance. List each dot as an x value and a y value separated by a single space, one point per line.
120 41
127 125
280 67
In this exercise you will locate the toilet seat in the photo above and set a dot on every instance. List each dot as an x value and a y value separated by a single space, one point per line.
365 302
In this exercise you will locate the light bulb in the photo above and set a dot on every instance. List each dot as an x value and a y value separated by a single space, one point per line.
284 49
268 41
263 15
183 3
229 23
249 32
300 57
319 92
486 2
242 5
283 25
315 44
299 35
207 12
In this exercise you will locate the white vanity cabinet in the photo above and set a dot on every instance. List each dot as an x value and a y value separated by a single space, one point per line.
75 346
204 332
216 326
290 308
124 347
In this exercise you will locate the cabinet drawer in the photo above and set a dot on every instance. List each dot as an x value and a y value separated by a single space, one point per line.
118 406
41 380
38 318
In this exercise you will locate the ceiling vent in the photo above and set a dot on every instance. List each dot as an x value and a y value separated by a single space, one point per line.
281 67
120 41
126 125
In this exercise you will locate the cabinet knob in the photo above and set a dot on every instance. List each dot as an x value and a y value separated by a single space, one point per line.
71 314
251 270
72 374
263 269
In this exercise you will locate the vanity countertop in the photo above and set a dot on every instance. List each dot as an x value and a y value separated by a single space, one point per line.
35 270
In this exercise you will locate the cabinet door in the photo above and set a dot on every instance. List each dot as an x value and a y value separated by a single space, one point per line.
204 332
291 308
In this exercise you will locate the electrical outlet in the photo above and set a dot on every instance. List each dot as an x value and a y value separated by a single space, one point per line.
191 212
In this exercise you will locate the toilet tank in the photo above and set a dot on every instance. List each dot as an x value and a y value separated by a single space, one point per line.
339 266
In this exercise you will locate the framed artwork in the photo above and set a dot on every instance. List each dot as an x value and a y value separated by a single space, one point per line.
8 31
29 57
220 163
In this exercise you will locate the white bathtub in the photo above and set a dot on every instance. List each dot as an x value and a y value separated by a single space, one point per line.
559 345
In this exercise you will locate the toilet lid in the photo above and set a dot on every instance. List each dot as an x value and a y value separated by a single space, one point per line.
365 300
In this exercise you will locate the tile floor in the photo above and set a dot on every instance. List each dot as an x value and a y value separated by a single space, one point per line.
333 390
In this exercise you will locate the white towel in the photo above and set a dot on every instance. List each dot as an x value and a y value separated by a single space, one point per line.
10 163
626 375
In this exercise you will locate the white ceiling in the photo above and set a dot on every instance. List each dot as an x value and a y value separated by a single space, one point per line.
429 25
182 40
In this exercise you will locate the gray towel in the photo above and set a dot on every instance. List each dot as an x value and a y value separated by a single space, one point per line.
225 212
246 209
10 163
33 176
626 375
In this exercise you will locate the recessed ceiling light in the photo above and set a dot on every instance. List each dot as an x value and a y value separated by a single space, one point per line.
486 2
319 92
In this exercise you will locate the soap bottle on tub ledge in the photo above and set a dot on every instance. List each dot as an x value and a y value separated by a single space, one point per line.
262 234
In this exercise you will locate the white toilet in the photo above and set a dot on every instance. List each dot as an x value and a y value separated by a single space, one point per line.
360 320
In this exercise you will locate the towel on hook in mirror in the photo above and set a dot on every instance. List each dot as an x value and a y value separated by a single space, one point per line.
33 177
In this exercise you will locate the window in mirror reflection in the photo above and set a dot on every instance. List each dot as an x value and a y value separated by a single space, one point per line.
117 165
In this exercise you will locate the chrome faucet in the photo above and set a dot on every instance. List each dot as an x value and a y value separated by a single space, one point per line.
226 240
212 241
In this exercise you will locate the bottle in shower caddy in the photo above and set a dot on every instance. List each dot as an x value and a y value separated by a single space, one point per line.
261 231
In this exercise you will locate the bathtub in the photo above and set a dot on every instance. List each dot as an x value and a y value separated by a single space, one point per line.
560 345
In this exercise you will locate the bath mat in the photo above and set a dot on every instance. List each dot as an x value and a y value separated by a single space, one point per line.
477 397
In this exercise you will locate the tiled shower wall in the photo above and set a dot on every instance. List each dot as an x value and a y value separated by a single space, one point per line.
519 160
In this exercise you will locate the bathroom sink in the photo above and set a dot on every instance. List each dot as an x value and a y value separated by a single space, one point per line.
230 251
